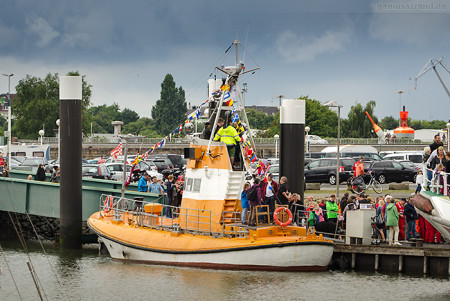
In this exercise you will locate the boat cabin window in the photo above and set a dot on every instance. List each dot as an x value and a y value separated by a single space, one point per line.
19 154
38 154
189 184
193 185
197 183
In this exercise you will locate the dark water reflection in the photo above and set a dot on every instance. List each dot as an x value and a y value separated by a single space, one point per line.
85 275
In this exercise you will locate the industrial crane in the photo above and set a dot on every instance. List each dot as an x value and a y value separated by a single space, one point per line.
431 64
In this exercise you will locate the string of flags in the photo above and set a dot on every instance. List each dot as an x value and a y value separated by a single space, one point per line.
227 97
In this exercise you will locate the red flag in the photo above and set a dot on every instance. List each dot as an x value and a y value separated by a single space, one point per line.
117 151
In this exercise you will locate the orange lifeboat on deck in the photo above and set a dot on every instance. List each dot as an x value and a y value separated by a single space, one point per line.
404 131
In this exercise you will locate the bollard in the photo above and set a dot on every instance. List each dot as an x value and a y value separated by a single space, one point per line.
292 143
70 194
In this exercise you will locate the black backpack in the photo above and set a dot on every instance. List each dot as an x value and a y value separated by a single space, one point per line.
252 194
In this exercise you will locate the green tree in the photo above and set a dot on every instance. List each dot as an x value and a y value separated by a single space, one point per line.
321 120
102 116
258 119
170 110
358 124
143 127
388 123
128 116
36 105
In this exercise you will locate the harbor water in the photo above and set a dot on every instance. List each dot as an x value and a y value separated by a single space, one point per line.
86 275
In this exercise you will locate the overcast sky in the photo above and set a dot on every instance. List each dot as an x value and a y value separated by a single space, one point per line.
348 51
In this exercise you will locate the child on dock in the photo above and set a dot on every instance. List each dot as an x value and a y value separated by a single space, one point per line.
419 179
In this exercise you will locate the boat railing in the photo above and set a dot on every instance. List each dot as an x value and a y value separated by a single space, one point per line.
439 183
300 218
166 217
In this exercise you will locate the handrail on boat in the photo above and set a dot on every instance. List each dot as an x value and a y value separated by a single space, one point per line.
196 221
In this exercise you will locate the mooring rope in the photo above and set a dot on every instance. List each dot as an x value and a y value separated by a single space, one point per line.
21 237
10 272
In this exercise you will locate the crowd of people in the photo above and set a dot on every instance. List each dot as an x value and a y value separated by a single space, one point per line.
396 220
436 162
172 189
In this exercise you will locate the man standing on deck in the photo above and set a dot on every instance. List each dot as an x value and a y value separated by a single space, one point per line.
269 191
284 195
169 185
207 131
142 184
155 187
229 136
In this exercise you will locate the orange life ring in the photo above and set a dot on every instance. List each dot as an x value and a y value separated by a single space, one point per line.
277 221
108 203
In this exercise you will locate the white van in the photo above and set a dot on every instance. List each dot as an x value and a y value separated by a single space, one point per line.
415 157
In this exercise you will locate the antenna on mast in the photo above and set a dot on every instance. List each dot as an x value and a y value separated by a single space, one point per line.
245 45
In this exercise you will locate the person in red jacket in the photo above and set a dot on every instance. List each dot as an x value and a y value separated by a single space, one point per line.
269 192
430 234
401 220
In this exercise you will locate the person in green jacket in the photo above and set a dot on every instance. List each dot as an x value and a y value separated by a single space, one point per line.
229 136
332 209
392 220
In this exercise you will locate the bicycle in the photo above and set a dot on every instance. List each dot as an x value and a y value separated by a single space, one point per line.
358 185
376 233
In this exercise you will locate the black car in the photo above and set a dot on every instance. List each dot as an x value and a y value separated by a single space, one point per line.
324 170
96 171
387 171
165 166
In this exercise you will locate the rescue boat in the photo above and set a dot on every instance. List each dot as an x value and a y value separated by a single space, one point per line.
205 231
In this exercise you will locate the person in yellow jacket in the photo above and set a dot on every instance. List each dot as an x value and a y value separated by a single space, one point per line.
229 136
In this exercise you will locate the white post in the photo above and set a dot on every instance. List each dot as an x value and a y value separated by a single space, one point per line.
307 129
276 144
8 148
41 133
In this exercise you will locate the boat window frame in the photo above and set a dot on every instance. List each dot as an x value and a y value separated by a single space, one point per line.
196 185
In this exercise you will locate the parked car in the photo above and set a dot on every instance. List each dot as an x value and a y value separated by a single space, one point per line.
164 166
313 139
387 171
32 164
274 169
324 170
96 171
366 155
116 170
415 157
177 161
315 155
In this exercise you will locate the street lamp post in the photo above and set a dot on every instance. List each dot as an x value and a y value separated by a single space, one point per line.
8 148
399 105
448 138
333 104
276 144
59 140
41 133
307 129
